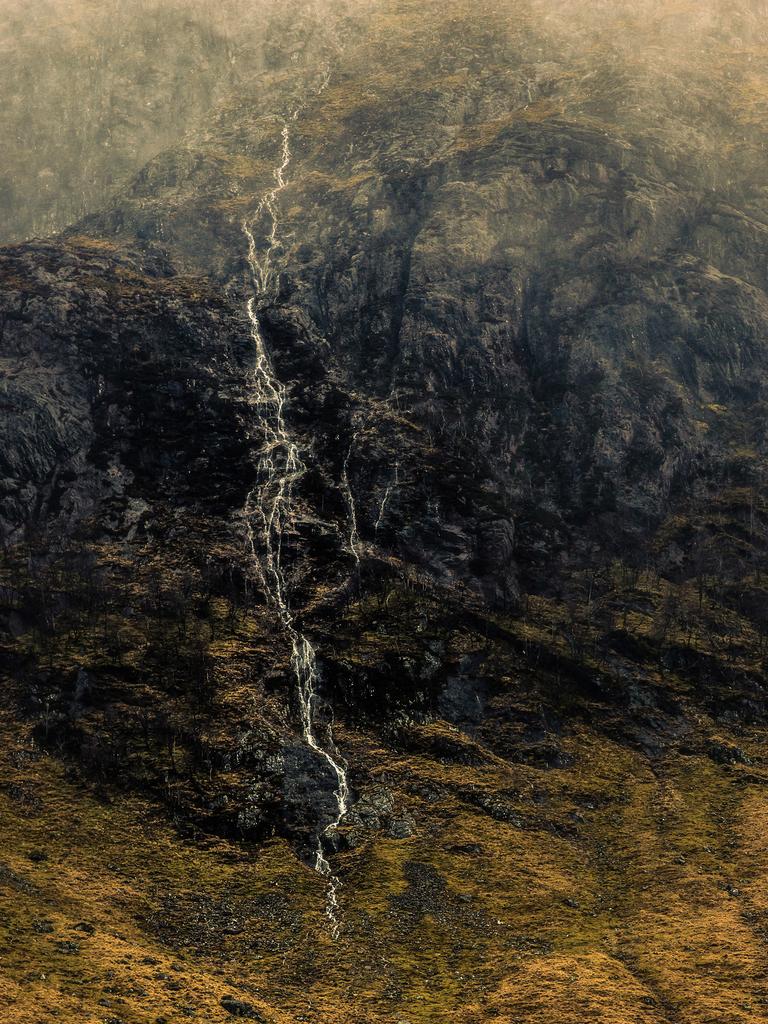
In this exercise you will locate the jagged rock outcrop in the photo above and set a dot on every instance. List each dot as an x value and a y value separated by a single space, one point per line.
106 366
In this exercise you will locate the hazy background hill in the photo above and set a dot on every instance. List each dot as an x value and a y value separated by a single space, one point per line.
91 91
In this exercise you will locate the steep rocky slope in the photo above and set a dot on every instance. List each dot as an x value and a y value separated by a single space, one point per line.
517 299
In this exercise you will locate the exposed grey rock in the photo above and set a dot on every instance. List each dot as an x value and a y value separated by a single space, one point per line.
240 1008
401 828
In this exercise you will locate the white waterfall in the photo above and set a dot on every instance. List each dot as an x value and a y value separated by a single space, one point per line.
387 495
269 508
354 540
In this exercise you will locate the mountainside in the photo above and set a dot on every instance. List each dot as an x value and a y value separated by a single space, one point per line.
384 499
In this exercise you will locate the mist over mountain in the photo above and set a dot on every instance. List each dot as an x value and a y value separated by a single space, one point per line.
383 472
94 90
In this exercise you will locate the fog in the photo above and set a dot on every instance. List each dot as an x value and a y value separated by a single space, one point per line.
92 90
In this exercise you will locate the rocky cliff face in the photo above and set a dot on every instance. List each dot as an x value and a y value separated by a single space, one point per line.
517 302
105 369
530 259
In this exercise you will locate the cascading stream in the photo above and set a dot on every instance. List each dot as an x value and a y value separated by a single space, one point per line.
269 510
346 487
385 500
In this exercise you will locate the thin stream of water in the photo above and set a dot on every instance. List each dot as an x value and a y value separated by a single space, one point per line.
269 508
